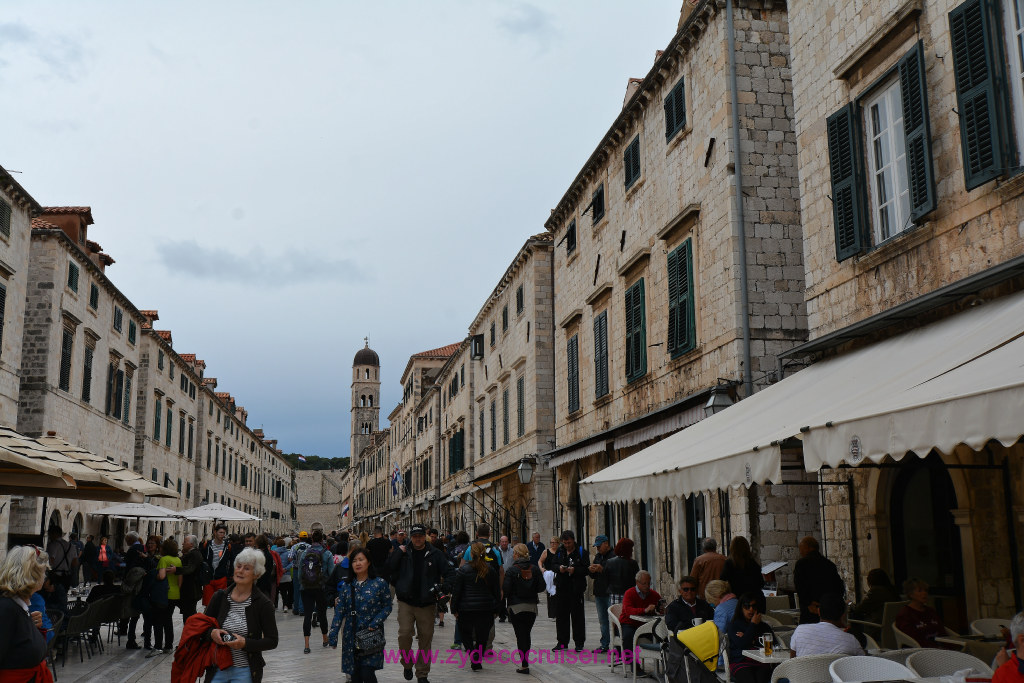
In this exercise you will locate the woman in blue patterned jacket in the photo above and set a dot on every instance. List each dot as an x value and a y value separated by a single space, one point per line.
372 607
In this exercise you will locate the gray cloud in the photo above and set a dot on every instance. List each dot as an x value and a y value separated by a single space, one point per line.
529 21
291 267
61 55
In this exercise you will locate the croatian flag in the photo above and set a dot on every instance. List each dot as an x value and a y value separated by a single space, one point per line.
302 459
344 510
396 479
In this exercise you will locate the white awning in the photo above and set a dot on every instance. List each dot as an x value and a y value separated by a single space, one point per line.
576 453
959 380
673 423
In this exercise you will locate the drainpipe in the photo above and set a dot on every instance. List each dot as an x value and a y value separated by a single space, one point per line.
741 229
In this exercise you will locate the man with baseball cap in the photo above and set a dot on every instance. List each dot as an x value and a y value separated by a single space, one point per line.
414 570
601 597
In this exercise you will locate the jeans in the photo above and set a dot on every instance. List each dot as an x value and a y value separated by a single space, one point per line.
603 602
522 624
163 625
475 627
233 674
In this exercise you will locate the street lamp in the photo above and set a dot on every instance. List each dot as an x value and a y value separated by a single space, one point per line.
525 471
719 399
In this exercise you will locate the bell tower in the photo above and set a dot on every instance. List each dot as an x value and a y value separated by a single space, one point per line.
365 400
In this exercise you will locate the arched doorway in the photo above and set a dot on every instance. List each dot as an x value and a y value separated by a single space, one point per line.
55 522
925 539
76 525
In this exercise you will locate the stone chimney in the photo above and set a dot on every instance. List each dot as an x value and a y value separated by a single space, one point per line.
73 220
151 317
631 88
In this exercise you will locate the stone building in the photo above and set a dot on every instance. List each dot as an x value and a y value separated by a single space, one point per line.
365 399
372 500
497 405
910 133
320 496
17 209
669 292
80 351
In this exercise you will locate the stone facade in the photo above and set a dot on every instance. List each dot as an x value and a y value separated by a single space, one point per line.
669 193
15 230
319 498
850 54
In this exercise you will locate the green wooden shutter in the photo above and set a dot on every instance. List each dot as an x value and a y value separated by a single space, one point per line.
521 403
67 341
982 95
636 332
601 355
3 311
845 164
87 375
917 132
675 111
673 296
573 373
73 276
681 314
5 218
127 398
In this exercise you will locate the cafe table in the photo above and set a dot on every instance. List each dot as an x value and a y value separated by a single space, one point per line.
778 656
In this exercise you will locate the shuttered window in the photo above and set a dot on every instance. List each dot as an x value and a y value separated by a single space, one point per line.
117 395
480 436
521 406
131 331
73 277
504 417
87 374
169 427
573 379
5 218
520 300
597 204
118 318
570 239
631 162
94 296
126 413
917 132
191 438
601 355
181 434
636 332
504 318
675 111
681 310
67 342
494 426
3 312
847 200
982 97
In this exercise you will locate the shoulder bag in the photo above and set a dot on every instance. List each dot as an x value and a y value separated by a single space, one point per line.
368 642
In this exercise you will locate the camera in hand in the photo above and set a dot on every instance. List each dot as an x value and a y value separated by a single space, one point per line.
439 594
228 637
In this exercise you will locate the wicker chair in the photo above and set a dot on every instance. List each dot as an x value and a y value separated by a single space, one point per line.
862 668
56 621
774 602
899 656
807 669
649 649
77 629
932 663
903 640
989 627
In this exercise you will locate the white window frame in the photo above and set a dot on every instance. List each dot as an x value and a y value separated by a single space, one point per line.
891 136
1013 23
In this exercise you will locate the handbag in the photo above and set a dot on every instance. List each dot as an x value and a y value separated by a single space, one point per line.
368 642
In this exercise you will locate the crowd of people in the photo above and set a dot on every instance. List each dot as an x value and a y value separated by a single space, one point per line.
242 579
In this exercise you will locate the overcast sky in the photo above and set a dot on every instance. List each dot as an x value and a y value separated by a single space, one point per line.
280 180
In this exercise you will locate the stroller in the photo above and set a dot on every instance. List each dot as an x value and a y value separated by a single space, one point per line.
691 656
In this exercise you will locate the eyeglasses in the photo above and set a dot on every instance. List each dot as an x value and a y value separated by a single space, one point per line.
688 589
749 605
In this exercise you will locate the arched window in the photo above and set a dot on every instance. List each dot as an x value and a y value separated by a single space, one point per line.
362 401
371 400
367 373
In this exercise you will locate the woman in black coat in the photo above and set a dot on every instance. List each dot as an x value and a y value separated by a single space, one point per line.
523 581
22 644
475 602
741 570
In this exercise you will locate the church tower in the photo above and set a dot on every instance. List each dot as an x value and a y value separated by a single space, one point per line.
365 400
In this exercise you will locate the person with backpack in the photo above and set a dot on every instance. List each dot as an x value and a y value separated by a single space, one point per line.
475 602
523 581
298 548
315 566
284 586
573 568
195 574
415 570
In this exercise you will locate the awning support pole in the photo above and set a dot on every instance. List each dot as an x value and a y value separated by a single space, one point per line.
853 536
42 524
1011 534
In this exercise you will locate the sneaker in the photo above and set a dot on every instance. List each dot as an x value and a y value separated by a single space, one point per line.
154 653
306 650
476 667
422 679
579 648
601 649
407 674
440 624
523 671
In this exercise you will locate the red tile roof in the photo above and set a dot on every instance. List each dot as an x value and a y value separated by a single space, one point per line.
188 357
151 314
209 381
83 211
40 224
443 352
93 246
165 335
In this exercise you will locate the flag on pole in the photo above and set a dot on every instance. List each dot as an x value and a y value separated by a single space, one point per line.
396 479
302 459
344 510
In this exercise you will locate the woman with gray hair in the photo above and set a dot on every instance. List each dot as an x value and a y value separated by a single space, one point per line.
245 618
22 645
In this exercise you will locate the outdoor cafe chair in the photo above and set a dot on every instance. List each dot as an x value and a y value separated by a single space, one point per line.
615 645
807 669
864 668
932 663
989 627
646 646
899 656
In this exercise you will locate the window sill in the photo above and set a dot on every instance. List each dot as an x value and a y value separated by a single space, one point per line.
679 136
684 358
892 247
575 414
572 257
600 223
603 400
637 184
1012 186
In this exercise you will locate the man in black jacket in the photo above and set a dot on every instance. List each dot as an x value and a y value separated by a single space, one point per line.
191 591
572 569
601 599
688 606
813 576
414 570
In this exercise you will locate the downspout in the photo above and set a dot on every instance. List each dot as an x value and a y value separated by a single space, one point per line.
741 229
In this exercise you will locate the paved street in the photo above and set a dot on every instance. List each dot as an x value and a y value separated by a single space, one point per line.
287 663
